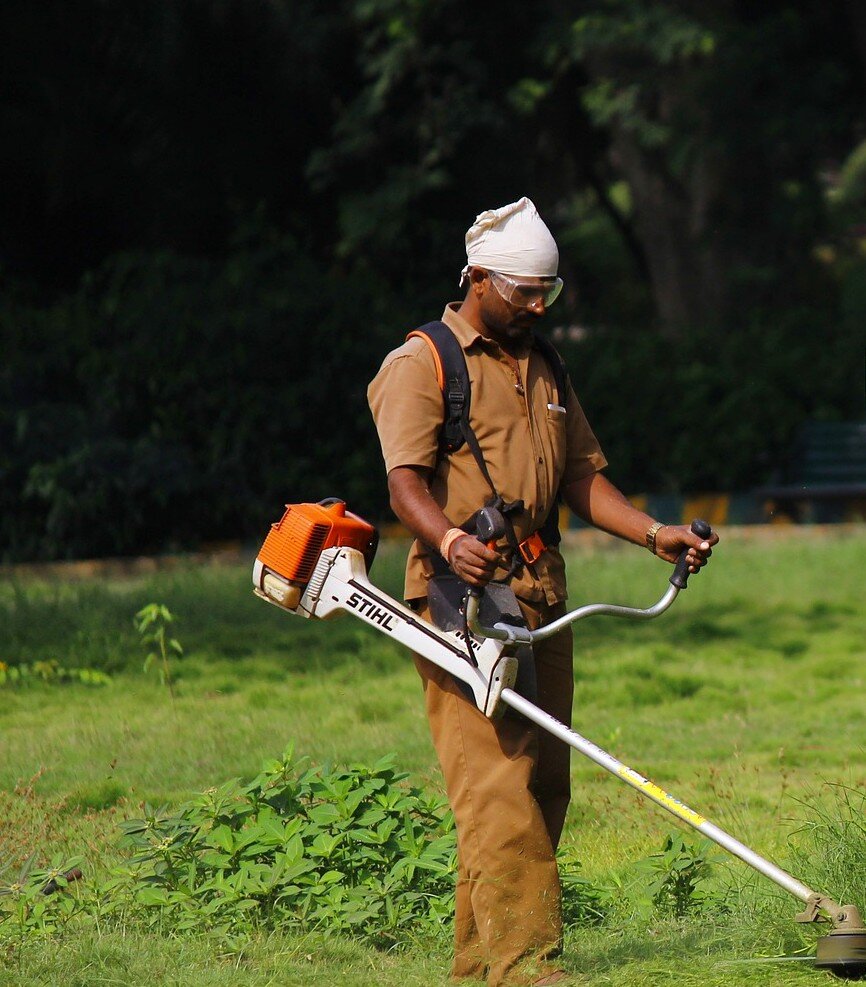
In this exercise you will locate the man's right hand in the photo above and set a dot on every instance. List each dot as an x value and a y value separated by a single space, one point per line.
472 561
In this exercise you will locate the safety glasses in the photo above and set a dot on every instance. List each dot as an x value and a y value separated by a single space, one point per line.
522 294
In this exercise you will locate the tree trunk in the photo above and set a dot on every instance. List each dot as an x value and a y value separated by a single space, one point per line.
685 251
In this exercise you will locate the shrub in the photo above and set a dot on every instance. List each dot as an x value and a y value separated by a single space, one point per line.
345 849
171 401
350 850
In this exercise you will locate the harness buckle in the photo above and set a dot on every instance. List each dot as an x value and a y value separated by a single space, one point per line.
532 548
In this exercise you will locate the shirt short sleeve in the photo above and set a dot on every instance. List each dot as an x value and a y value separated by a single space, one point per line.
583 453
407 406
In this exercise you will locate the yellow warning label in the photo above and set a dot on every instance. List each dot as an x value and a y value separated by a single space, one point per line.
661 796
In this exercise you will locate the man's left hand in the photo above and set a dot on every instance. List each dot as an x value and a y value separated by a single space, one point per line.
673 538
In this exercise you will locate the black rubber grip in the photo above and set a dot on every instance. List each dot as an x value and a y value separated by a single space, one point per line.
489 525
680 577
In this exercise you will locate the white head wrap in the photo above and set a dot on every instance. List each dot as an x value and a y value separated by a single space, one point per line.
512 240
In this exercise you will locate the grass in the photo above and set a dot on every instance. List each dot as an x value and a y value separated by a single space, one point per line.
745 701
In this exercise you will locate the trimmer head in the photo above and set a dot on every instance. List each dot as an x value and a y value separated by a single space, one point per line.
843 954
843 951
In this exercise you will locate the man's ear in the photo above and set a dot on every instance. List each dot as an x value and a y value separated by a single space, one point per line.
477 276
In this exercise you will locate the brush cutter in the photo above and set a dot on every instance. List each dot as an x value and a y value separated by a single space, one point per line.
314 563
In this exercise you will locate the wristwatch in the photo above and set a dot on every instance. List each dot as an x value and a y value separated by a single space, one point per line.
652 531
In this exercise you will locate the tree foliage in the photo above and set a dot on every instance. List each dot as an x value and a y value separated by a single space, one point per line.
174 400
219 217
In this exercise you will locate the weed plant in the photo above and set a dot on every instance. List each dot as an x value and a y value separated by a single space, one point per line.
345 850
335 850
152 623
676 879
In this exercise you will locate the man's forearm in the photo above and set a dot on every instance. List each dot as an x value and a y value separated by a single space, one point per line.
414 505
595 499
411 500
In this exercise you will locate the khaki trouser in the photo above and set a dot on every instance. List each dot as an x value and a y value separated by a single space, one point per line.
508 785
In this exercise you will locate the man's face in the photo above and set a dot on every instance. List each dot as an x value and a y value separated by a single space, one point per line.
511 307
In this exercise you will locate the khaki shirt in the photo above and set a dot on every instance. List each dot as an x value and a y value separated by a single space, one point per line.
530 445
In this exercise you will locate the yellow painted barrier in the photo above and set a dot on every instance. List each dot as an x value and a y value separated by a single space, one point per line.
712 507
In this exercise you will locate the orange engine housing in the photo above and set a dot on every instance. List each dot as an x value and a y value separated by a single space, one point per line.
295 542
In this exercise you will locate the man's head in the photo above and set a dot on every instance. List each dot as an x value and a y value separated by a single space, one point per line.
512 260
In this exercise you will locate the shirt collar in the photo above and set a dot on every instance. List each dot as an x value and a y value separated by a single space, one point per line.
465 333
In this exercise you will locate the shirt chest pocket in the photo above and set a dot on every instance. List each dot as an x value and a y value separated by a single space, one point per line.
556 416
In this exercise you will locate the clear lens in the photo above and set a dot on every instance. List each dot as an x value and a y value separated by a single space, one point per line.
522 294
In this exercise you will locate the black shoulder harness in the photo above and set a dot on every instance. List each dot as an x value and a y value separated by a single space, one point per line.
453 377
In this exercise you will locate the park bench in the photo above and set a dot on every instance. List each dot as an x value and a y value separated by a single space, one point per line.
824 479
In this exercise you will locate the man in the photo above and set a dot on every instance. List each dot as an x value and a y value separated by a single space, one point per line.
507 781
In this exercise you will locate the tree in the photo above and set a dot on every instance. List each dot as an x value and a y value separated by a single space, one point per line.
718 117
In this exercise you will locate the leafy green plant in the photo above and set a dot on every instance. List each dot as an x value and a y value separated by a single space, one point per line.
50 672
351 850
677 877
344 850
347 849
152 622
38 901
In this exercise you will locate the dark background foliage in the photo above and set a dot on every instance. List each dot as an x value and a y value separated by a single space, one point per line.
219 216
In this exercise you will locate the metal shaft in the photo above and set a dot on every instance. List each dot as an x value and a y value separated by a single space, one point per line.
658 795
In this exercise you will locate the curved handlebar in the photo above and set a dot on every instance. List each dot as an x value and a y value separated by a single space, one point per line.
522 635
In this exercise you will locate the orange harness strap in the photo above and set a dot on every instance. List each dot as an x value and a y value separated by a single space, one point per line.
440 373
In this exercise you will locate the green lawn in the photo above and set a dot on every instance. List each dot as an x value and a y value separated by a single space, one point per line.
745 701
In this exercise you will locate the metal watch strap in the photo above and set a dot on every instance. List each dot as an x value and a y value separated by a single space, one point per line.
652 531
